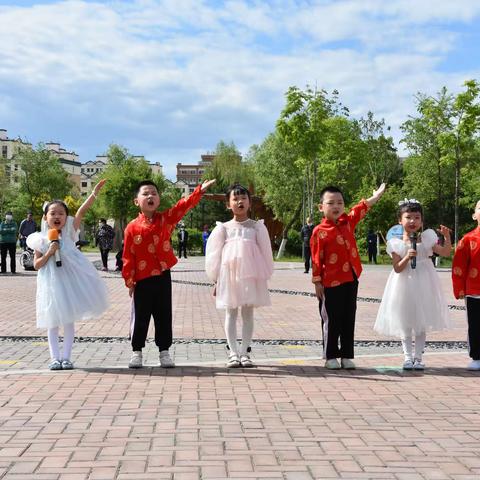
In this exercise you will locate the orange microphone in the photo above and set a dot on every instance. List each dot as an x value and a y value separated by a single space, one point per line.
53 236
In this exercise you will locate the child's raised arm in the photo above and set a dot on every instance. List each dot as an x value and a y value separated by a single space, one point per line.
376 195
87 204
445 249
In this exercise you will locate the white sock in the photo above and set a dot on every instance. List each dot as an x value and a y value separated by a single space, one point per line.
247 329
420 345
231 329
68 338
52 334
407 348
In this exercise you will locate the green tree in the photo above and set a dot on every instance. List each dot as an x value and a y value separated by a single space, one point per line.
279 180
443 139
123 173
42 178
302 126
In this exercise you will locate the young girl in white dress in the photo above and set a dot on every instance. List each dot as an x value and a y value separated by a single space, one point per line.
69 292
239 260
412 302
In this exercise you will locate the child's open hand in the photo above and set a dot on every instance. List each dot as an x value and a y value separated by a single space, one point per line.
445 231
376 195
207 184
380 191
99 186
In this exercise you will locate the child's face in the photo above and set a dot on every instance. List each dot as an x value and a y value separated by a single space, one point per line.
476 213
332 205
411 221
239 204
147 199
56 216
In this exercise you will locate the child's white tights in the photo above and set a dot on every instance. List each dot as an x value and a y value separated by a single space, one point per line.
68 337
419 346
231 329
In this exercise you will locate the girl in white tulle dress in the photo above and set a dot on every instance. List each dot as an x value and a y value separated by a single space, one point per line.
412 303
68 292
239 260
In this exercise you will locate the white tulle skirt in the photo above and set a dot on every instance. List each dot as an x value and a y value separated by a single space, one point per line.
243 276
412 303
68 293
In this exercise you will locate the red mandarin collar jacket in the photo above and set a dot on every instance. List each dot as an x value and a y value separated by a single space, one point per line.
147 249
334 249
466 265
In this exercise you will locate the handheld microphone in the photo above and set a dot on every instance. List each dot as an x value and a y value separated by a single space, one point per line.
413 241
53 236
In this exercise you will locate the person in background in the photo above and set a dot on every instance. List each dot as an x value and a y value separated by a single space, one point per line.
27 227
205 235
104 240
8 242
372 246
306 234
182 241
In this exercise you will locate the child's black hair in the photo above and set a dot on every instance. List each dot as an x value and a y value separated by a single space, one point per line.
409 206
144 183
330 189
237 189
55 202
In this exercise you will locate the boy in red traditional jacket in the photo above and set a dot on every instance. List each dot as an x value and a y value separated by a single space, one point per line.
147 259
466 284
335 270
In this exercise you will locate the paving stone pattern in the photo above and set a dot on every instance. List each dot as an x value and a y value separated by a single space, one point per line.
289 418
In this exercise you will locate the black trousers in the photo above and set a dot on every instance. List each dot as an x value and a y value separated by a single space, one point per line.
153 297
104 255
372 255
182 247
473 315
11 249
307 254
338 320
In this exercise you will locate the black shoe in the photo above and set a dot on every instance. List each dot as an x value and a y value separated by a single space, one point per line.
306 271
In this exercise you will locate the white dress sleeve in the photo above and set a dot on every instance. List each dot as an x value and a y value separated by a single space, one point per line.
395 245
214 250
265 246
37 241
429 239
69 231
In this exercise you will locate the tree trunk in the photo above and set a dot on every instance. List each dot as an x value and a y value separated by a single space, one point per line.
457 192
286 229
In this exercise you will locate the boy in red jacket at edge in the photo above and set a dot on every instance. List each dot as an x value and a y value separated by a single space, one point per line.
335 270
466 284
147 259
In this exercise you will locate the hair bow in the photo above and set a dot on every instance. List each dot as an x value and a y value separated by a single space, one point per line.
408 200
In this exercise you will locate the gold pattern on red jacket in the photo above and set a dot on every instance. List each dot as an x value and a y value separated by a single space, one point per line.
334 248
147 249
466 265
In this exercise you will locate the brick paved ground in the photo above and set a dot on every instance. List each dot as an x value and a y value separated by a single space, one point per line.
288 418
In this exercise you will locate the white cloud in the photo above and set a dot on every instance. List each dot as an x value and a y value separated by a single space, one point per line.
178 75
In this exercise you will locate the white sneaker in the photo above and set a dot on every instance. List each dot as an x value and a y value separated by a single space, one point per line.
474 365
332 364
418 364
347 364
136 361
408 364
166 360
246 361
233 361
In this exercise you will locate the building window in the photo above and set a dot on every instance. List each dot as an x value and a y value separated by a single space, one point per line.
84 184
4 151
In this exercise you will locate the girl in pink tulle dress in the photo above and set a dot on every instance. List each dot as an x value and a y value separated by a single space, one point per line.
239 260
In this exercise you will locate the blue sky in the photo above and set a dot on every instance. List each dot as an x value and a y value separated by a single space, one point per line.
169 79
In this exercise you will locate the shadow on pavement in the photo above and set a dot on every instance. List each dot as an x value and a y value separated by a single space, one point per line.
376 374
